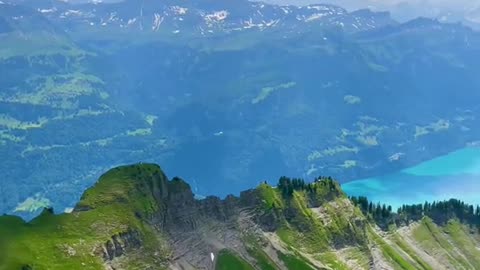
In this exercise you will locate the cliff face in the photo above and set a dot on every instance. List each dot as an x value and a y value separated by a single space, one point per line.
135 218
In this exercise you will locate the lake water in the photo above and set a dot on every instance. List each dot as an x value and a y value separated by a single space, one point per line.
456 175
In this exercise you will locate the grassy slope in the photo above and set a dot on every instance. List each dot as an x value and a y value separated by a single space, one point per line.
408 250
263 261
293 262
229 261
332 261
305 232
454 244
394 257
65 241
37 44
461 238
308 231
322 233
332 235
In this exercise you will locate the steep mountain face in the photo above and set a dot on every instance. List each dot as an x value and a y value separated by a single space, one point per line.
242 91
135 218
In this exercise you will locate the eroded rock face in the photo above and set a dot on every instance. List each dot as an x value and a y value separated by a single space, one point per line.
118 245
162 226
195 229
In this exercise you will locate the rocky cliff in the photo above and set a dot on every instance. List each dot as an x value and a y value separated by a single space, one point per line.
135 218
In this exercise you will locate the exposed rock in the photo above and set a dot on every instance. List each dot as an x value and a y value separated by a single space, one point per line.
162 226
118 245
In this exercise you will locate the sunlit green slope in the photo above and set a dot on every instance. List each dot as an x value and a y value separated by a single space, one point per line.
135 218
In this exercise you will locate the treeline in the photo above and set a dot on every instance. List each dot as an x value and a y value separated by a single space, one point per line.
381 213
440 212
288 185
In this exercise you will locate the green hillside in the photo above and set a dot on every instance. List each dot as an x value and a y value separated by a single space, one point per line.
135 218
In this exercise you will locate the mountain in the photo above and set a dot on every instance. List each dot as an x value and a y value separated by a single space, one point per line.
461 11
229 98
135 218
23 31
202 18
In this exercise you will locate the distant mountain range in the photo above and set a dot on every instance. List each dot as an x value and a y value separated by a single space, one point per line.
464 11
203 17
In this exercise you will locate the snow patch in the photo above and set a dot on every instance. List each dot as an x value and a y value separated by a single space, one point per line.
319 8
272 23
157 21
315 16
48 10
72 12
113 17
396 157
212 257
179 10
217 16
250 24
131 21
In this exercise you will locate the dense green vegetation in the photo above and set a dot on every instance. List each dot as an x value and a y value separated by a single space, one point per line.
293 262
440 212
324 187
262 260
332 261
290 206
117 205
228 261
135 218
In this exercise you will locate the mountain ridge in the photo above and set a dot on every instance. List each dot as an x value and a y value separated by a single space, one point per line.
135 218
205 18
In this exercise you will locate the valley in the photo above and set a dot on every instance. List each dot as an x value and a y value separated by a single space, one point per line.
228 101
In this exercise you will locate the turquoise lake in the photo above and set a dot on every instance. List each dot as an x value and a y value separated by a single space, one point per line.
456 175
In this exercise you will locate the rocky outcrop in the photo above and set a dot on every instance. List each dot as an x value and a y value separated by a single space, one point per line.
119 245
141 220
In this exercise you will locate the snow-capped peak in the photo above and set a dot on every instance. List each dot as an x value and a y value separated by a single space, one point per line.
204 19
